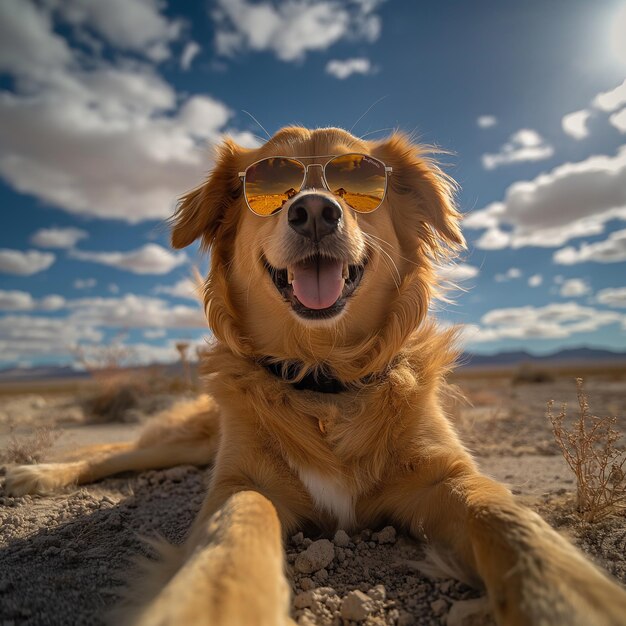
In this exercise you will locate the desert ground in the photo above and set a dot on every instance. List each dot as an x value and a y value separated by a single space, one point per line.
64 558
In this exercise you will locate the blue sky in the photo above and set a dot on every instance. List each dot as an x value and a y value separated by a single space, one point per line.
108 111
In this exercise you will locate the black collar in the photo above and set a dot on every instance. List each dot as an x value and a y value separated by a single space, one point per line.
313 381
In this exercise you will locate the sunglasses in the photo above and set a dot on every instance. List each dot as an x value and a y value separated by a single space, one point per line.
358 179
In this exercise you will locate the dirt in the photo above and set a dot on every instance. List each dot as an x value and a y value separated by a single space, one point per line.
63 559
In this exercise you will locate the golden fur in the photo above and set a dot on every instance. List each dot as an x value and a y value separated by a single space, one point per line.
381 451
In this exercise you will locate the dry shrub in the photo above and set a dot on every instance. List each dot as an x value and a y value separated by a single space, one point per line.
589 447
120 392
527 373
29 449
113 398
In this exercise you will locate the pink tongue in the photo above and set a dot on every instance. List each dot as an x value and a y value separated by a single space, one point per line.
318 284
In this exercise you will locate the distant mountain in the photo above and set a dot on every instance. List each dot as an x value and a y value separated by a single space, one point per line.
41 372
570 355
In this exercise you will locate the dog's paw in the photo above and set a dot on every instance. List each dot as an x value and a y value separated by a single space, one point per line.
43 479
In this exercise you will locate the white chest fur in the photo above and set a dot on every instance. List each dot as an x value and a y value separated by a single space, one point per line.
331 495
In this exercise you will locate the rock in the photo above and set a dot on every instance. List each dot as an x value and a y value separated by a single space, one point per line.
303 600
387 535
445 586
306 584
356 606
306 619
312 598
341 538
378 593
322 575
475 612
405 619
439 607
317 556
297 539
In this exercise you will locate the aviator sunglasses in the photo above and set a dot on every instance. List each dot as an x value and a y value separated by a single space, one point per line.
360 180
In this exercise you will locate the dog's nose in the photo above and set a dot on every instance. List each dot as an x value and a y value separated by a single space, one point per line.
314 216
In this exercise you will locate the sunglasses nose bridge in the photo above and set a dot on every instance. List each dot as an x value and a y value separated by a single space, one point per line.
314 177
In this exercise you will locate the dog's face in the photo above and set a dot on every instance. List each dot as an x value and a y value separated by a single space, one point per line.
318 276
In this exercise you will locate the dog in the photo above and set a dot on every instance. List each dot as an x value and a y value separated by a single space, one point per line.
325 384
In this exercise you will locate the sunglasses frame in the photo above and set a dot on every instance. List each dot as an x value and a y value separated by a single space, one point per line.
330 157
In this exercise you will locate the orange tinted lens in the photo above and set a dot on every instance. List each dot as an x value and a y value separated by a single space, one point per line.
358 179
271 182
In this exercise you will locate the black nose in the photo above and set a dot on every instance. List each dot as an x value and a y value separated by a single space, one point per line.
314 216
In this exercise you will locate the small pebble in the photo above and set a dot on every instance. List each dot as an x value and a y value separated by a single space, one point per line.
387 535
317 556
341 538
378 593
356 606
439 607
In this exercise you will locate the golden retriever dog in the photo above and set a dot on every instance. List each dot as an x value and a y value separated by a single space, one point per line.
326 382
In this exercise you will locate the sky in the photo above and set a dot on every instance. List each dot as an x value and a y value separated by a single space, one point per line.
109 111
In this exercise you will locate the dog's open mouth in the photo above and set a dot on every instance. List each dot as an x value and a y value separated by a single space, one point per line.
317 287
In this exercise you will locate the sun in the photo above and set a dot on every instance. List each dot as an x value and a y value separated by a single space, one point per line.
617 36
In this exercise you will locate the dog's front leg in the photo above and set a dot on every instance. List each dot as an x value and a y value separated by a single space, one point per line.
233 572
532 574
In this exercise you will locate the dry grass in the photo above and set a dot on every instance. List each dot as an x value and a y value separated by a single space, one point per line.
120 391
29 449
527 373
589 447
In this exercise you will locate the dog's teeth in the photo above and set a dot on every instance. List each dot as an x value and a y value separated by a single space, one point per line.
289 276
346 272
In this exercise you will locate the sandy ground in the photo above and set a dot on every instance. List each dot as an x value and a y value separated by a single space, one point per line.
63 559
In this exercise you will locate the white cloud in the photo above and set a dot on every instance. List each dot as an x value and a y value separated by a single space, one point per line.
58 237
511 274
535 280
292 28
29 46
16 301
575 124
457 272
132 25
24 336
131 311
554 321
184 288
524 145
85 283
574 288
573 200
192 49
611 100
146 353
52 303
22 301
611 250
343 69
24 263
157 333
28 335
131 144
612 297
149 259
619 120
486 121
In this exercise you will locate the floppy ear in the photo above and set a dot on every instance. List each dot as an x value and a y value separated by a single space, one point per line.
202 211
429 209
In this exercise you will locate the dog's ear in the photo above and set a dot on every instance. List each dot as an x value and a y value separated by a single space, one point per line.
202 211
429 209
